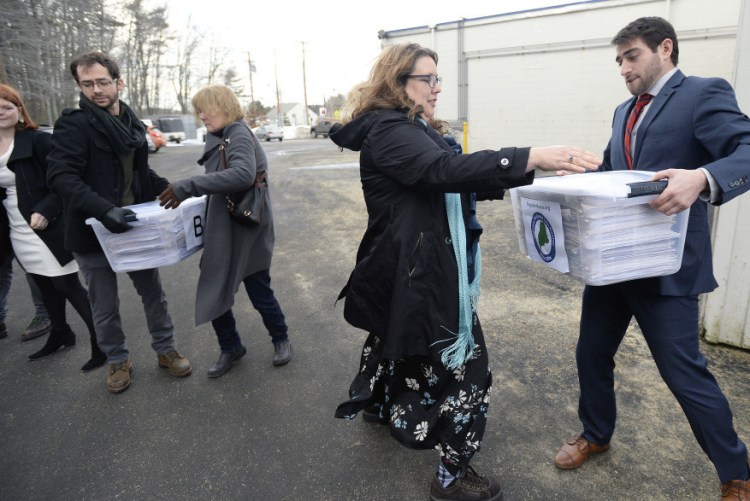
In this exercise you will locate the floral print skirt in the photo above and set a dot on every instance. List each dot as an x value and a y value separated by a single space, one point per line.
425 404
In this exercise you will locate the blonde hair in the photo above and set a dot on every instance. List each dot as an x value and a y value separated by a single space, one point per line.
386 86
219 98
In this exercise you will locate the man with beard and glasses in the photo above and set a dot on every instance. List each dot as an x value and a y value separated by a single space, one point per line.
691 132
99 164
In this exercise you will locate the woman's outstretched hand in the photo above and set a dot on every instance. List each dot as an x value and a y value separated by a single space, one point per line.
563 159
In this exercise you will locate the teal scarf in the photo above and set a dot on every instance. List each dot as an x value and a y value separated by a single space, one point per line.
462 349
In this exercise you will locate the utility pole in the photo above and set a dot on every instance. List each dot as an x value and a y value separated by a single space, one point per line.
251 67
279 119
304 84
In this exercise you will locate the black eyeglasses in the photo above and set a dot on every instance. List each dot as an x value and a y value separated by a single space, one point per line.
431 80
101 83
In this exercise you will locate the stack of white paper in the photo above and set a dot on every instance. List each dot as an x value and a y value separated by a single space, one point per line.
159 236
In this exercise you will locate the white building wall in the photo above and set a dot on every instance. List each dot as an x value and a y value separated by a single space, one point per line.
726 317
549 76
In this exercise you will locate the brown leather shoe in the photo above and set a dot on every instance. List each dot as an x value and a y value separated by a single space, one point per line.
575 452
118 378
737 490
178 365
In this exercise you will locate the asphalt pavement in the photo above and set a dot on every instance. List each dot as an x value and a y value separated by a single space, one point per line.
268 433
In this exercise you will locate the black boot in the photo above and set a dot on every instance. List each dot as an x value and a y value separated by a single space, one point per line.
98 358
55 341
225 362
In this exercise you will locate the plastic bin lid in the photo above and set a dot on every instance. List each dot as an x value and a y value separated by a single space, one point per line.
611 184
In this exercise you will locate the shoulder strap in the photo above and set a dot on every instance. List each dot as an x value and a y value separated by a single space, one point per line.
223 145
260 177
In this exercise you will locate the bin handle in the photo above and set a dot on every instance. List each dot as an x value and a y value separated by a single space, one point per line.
643 188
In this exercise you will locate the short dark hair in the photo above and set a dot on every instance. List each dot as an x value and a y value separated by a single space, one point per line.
653 31
91 58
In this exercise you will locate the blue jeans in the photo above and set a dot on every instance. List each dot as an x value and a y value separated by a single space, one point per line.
6 278
258 287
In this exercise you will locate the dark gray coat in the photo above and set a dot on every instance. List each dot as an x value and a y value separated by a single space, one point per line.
231 251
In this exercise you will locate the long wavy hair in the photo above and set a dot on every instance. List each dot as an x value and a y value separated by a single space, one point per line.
386 86
10 94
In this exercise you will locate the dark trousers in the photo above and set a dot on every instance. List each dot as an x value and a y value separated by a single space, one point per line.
670 327
55 291
258 287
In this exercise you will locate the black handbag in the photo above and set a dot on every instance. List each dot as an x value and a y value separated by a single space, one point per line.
247 207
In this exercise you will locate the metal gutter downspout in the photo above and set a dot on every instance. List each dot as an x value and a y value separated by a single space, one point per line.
463 75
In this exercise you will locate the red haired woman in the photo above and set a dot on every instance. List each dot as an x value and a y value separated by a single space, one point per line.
35 225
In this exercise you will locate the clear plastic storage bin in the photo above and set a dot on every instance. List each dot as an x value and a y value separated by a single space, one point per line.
609 234
159 236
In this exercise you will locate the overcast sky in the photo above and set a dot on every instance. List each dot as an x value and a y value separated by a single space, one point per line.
340 36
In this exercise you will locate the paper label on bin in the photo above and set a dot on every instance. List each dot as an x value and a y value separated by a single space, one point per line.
194 224
545 238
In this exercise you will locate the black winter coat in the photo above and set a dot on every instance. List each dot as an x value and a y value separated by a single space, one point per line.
86 172
404 287
28 162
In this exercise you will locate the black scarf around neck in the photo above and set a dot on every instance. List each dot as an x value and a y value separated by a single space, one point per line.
126 132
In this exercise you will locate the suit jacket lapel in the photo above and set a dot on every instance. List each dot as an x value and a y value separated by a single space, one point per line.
657 103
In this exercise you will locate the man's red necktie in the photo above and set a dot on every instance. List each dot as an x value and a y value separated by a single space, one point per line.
641 103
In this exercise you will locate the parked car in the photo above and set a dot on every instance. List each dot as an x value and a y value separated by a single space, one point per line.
269 132
172 127
322 129
157 137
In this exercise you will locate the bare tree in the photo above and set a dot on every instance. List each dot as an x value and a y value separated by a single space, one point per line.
255 112
216 57
39 38
143 47
335 103
182 72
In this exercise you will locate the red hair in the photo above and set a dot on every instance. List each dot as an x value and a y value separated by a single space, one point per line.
10 94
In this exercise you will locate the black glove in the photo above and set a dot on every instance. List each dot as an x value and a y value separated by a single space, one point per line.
114 219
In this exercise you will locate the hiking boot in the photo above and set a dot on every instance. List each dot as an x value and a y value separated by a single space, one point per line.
39 326
470 486
118 378
178 365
